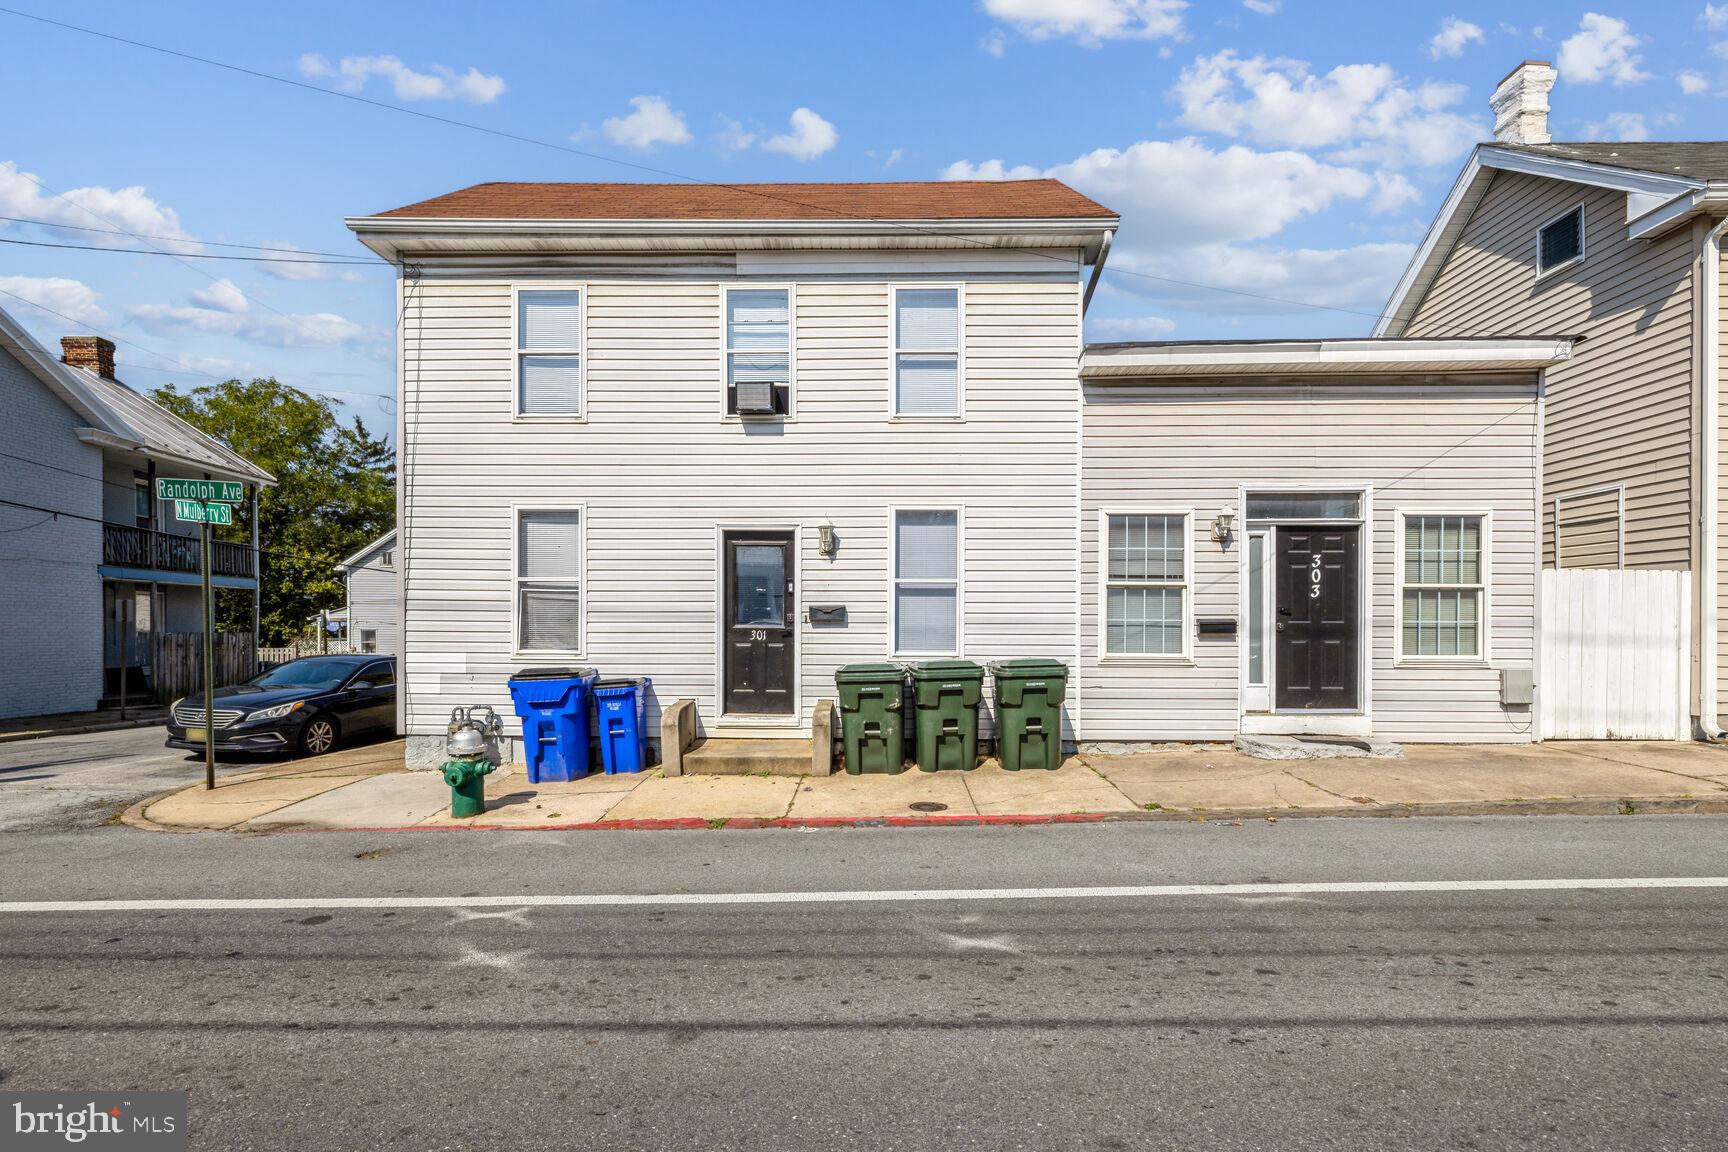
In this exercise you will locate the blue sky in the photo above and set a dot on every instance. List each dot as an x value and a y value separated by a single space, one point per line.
1284 148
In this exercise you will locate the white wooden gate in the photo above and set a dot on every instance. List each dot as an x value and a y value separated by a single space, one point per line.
1616 655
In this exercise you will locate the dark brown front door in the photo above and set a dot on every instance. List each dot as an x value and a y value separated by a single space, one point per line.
760 620
1318 607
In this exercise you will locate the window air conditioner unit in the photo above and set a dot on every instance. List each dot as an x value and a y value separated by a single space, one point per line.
755 398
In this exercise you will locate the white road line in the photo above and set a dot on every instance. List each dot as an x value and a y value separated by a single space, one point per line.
890 896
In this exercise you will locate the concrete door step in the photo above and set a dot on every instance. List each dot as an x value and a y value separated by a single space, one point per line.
1315 747
741 757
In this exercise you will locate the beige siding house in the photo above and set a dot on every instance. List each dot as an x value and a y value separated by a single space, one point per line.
734 438
1617 245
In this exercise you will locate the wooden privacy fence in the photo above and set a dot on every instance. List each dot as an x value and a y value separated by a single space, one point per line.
177 662
1616 655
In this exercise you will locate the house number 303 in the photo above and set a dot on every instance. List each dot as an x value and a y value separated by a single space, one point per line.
1314 578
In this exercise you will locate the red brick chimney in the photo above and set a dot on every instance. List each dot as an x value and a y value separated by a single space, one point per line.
93 352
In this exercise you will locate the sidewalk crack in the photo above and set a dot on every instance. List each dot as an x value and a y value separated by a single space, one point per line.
1319 788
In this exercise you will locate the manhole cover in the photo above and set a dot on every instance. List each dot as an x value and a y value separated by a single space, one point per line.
928 806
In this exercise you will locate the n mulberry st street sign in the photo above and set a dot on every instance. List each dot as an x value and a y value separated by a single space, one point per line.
204 502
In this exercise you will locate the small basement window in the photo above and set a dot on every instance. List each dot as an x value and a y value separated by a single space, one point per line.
1560 242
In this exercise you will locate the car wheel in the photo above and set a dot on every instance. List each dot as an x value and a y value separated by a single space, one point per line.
318 736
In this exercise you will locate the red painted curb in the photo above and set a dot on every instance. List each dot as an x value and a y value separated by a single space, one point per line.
691 823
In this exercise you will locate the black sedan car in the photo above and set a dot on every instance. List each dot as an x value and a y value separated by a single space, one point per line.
304 706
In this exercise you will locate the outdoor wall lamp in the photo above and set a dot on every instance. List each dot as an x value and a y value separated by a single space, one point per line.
825 539
1221 525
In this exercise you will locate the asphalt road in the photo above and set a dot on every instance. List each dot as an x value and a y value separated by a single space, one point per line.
1566 1019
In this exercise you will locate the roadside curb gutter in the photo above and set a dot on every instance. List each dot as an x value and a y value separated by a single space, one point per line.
83 729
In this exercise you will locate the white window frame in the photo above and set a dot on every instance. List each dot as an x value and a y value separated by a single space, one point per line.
1486 585
580 416
1619 491
895 351
516 578
726 352
894 581
1583 241
1105 656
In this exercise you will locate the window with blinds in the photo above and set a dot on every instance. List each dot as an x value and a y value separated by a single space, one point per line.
1560 241
759 345
1146 584
549 353
1444 583
926 582
926 352
549 580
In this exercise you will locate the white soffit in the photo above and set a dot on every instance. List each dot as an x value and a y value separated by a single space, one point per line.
1101 363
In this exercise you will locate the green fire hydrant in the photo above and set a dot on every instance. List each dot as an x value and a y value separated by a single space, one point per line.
465 741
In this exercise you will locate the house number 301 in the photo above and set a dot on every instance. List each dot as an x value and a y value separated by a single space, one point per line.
758 634
1314 578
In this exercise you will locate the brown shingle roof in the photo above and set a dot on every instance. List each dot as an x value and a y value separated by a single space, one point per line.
1693 160
930 200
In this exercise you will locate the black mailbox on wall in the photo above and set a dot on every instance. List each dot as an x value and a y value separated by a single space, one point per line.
827 614
1215 628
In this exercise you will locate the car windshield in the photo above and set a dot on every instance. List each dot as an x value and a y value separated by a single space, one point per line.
320 674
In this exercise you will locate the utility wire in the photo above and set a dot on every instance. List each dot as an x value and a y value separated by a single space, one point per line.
747 189
188 240
190 255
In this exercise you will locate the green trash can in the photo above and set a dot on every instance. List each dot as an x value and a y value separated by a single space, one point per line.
946 694
1029 712
872 717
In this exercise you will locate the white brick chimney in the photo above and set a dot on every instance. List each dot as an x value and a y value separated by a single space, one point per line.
1520 104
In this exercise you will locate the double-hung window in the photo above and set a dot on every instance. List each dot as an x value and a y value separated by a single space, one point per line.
758 351
549 352
927 361
548 580
1146 578
1443 609
926 546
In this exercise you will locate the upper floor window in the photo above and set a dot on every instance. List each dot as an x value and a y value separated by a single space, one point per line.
758 351
549 352
927 363
1560 242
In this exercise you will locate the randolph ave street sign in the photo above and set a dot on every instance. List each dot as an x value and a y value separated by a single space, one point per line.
221 491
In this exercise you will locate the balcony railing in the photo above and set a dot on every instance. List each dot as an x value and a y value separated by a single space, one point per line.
131 547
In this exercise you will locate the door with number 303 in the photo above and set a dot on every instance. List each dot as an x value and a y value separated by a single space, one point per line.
1318 605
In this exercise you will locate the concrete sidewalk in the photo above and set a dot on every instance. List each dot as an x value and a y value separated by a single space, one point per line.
367 788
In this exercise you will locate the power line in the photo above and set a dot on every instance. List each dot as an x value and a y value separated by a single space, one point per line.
187 240
188 255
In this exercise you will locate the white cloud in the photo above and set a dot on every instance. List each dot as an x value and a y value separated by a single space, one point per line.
810 137
1356 279
1603 48
995 43
1090 22
128 209
441 83
222 296
1453 37
285 269
48 294
1264 7
733 136
651 122
1129 327
223 310
1365 109
894 157
1714 17
988 170
1622 126
1693 83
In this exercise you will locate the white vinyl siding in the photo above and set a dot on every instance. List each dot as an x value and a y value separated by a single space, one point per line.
549 353
1443 584
927 362
549 580
1416 443
658 471
1146 584
926 570
759 344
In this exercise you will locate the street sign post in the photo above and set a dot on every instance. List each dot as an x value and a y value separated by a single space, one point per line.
198 512
205 502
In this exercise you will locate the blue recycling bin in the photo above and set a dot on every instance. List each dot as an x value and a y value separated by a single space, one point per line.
553 705
621 707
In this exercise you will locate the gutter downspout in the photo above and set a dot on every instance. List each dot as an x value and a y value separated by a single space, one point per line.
1710 335
1097 270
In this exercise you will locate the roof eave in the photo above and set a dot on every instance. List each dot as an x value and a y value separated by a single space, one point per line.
1325 357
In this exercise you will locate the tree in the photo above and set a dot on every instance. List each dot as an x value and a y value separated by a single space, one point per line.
335 491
